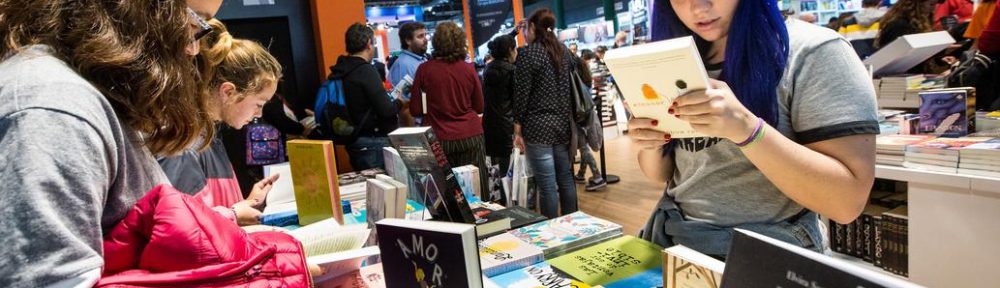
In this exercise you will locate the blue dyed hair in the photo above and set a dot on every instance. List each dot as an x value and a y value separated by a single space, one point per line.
756 51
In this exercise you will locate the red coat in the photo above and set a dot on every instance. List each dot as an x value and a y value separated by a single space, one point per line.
172 239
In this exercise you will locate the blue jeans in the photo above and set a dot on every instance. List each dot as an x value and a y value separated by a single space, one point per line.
553 173
366 153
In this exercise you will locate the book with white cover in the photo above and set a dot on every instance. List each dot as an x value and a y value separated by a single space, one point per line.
684 267
504 253
653 75
281 198
907 51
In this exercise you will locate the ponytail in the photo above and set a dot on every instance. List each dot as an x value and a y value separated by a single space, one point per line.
544 22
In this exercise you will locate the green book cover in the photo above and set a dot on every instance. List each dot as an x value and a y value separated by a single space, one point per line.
610 261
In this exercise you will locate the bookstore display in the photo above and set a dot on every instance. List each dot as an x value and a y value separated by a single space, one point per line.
403 228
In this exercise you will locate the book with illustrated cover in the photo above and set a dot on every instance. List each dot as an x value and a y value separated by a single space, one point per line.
488 223
896 144
948 112
610 261
428 166
756 260
429 254
468 179
567 233
314 174
684 267
504 253
540 275
651 76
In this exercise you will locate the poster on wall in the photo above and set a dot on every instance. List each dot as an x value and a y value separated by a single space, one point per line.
488 17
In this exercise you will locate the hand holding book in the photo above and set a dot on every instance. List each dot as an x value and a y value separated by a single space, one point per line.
715 112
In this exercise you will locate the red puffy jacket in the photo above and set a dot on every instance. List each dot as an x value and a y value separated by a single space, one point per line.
172 239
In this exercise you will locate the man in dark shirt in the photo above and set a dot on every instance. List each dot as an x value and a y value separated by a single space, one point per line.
371 108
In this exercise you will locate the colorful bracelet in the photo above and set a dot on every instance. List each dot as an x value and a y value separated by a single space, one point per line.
753 136
760 135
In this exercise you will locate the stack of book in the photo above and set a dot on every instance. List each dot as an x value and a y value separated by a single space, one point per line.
468 179
893 90
948 112
890 149
504 253
895 243
982 159
940 155
567 233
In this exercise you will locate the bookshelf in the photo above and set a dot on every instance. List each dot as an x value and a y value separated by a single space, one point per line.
863 264
953 227
825 9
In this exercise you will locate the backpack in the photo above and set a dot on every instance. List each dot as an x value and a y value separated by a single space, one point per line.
977 70
332 118
264 145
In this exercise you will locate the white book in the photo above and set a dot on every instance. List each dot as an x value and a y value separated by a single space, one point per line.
986 167
400 196
982 173
907 51
504 253
929 167
327 236
653 75
282 193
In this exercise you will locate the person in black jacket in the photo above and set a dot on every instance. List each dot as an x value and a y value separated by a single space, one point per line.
498 86
370 106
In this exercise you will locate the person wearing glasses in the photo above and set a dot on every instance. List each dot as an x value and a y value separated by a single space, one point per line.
242 76
86 101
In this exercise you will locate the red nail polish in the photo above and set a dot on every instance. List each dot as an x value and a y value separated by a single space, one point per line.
671 110
666 137
656 122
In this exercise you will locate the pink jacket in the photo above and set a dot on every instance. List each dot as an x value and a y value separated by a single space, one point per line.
172 239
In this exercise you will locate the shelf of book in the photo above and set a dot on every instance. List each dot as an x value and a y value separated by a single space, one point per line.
863 264
952 227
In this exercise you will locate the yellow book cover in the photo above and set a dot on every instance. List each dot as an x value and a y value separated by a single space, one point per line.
314 177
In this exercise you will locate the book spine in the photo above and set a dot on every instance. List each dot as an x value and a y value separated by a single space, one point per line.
878 242
905 247
836 237
866 224
893 245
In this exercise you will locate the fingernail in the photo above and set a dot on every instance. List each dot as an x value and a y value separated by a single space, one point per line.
671 110
674 104
666 137
656 122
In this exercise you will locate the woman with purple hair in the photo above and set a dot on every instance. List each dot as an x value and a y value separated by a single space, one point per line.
791 123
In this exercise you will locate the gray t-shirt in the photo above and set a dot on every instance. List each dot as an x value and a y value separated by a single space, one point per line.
71 170
825 93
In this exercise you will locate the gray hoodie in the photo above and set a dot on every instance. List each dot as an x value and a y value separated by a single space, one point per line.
868 16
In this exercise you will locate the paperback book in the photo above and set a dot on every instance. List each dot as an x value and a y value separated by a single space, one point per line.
610 261
652 75
535 276
567 233
314 170
948 112
504 253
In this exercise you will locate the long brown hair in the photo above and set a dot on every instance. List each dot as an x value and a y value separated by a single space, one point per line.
909 10
544 22
244 63
131 51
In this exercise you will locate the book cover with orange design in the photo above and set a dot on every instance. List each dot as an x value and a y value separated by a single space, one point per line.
653 75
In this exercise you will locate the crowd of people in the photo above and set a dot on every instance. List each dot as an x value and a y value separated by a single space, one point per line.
99 115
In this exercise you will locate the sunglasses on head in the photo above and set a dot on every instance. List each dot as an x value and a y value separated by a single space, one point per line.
203 26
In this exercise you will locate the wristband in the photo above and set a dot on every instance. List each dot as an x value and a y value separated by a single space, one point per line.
757 132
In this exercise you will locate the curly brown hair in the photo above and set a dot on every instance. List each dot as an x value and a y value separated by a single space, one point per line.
914 11
132 51
449 42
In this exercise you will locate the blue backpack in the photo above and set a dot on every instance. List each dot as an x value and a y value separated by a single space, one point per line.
332 117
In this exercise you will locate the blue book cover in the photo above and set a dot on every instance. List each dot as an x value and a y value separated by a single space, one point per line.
946 113
538 275
649 278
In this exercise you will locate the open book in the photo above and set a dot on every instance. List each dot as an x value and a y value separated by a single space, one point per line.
653 75
327 236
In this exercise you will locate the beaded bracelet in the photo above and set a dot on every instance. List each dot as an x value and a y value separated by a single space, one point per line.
753 136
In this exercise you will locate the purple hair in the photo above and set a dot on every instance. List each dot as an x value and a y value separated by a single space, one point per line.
756 51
